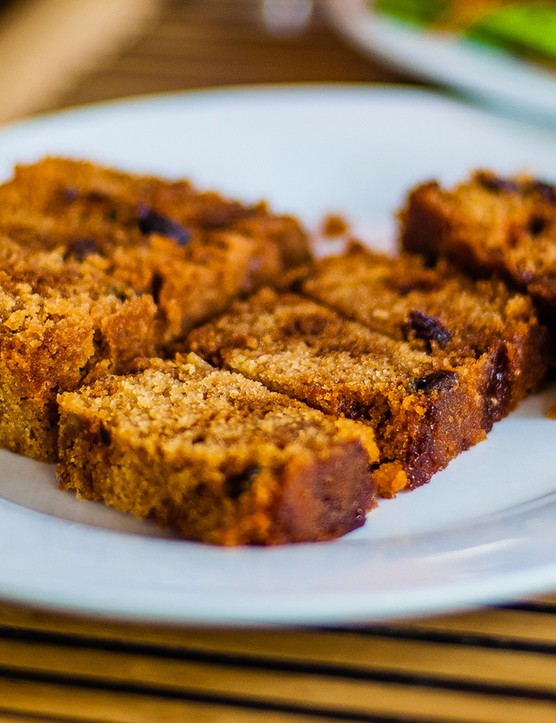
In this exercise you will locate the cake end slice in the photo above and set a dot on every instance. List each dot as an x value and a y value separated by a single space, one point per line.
489 226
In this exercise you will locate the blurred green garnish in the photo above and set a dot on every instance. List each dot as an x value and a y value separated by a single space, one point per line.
523 28
419 12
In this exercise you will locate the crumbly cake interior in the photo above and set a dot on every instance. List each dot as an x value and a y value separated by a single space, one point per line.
215 456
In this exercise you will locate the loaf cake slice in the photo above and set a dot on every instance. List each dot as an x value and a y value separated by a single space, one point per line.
434 309
488 225
192 250
423 409
60 322
215 456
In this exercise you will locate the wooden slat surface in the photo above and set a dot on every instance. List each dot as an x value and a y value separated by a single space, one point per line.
460 667
491 665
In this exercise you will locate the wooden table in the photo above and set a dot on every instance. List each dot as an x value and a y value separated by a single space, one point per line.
492 665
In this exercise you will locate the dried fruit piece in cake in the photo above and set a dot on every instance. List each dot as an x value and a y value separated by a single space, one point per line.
60 322
423 409
489 225
192 250
215 456
435 309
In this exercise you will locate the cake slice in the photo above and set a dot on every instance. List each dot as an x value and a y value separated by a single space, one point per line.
215 456
423 408
488 225
192 250
434 309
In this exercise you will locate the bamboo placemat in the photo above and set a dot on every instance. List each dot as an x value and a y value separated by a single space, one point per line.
497 664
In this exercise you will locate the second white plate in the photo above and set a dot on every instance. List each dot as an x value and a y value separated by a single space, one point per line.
479 71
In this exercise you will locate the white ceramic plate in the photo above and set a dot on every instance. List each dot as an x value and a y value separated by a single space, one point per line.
484 72
483 530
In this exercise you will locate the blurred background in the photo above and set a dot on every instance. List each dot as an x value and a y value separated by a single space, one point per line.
60 53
